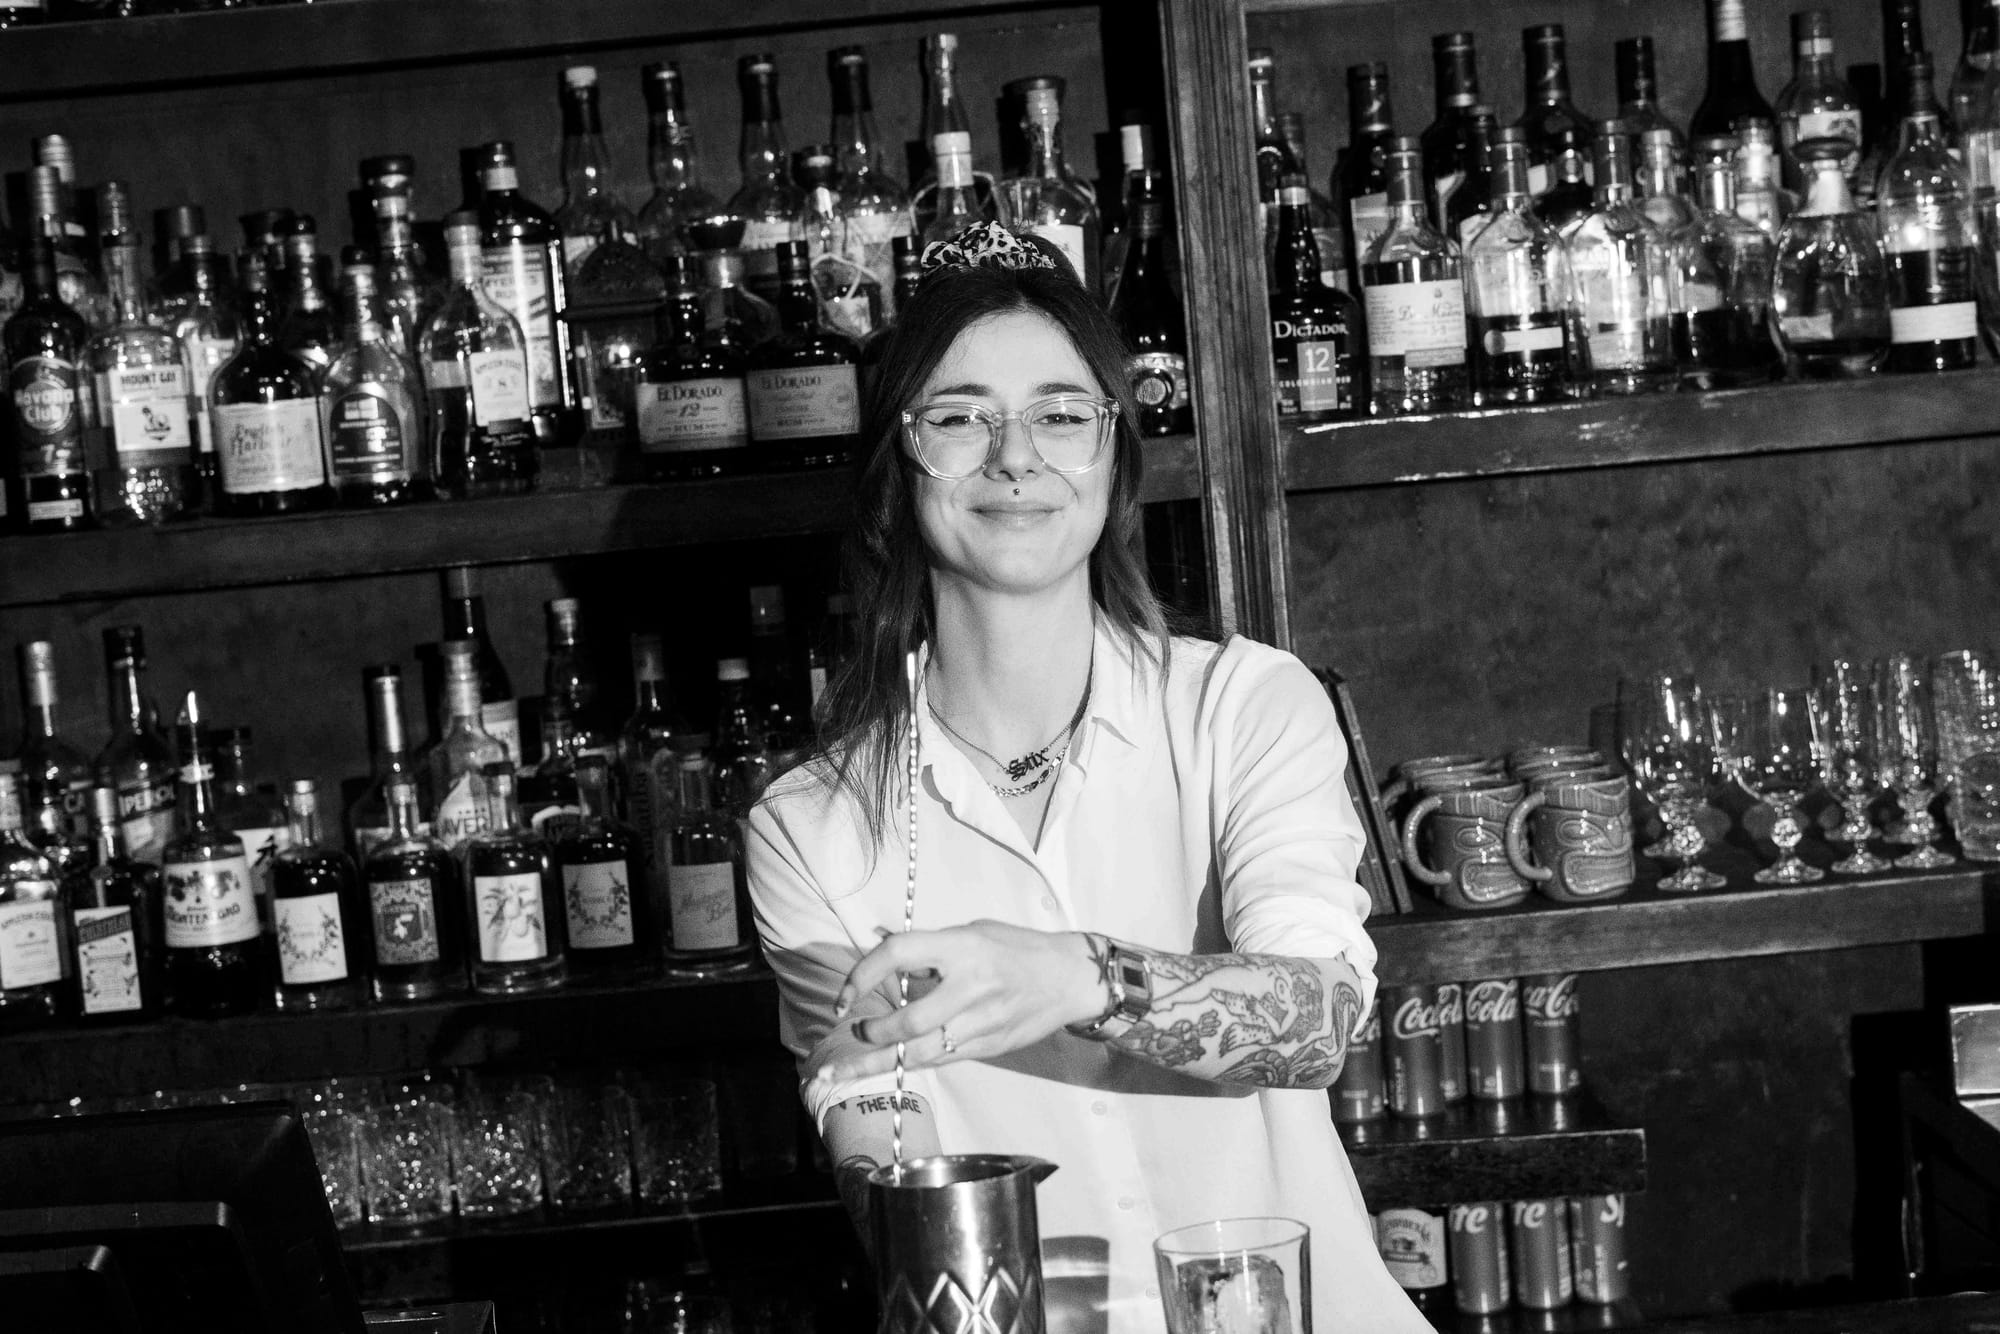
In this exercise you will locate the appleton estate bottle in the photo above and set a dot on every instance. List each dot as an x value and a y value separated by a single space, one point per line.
1149 315
264 418
114 905
416 908
1315 329
215 962
46 343
802 387
321 930
515 899
475 363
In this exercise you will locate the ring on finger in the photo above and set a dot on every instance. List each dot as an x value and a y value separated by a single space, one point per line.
949 1046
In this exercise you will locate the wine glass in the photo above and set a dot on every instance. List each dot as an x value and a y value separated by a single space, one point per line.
1849 699
1909 757
1782 764
1966 702
1670 754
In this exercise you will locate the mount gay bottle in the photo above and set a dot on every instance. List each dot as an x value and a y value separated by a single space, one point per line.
215 956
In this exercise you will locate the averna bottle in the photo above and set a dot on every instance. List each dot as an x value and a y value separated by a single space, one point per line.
671 157
137 762
47 344
874 209
1557 131
370 405
1817 103
114 904
708 917
521 269
609 920
1923 209
766 203
368 819
1361 177
802 388
590 213
514 909
1639 91
1447 138
1412 282
1149 314
143 403
1046 200
1517 284
1619 270
464 617
1722 284
32 912
475 361
416 908
214 950
1315 329
458 760
321 931
694 416
54 774
1731 93
1831 289
265 420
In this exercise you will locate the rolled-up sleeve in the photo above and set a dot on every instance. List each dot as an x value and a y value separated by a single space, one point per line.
1289 837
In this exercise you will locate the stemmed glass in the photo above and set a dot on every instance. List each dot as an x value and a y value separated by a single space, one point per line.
1849 699
1670 753
1966 703
1909 757
1781 766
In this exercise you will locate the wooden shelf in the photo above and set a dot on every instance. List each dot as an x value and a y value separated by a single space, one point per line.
234 553
1523 1149
1435 944
1656 428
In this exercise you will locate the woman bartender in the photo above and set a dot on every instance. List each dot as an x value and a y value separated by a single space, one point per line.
1136 911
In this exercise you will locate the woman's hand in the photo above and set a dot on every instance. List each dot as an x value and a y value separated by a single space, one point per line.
999 988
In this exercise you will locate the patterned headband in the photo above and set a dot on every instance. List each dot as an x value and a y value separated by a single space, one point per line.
985 245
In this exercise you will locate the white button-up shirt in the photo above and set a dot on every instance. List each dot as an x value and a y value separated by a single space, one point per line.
1199 811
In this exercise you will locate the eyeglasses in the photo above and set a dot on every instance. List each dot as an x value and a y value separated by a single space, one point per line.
953 440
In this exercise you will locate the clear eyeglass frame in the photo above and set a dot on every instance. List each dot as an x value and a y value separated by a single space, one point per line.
930 421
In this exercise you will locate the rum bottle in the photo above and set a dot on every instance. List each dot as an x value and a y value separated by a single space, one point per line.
1817 103
1517 284
46 344
521 269
570 681
874 207
458 760
678 197
1045 200
215 963
322 932
265 420
32 912
114 904
1315 329
407 294
205 324
767 203
590 211
1471 204
708 915
1412 282
1361 177
1923 208
1831 291
54 220
803 388
1732 92
1760 199
309 329
1149 315
55 776
1569 199
1558 134
1639 92
137 762
143 401
476 380
694 416
1662 196
514 909
944 113
1619 265
1722 307
1446 140
416 906
370 405
464 610
609 920
546 793
368 819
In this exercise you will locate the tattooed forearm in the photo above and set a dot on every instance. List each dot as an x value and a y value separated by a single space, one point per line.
1248 1018
850 1178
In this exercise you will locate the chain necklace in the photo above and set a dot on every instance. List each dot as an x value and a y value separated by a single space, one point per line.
1039 762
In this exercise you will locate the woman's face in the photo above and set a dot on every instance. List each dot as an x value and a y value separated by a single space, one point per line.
1017 526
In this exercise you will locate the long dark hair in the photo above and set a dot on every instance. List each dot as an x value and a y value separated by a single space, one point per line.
863 721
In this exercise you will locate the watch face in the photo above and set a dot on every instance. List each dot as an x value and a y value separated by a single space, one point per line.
1132 972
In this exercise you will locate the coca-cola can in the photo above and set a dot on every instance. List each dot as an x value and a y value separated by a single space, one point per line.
1540 1244
1493 1063
1451 1032
1479 1258
1597 1238
1358 1094
1554 1045
1413 1048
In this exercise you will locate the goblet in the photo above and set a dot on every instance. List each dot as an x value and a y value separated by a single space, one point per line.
1781 767
1909 755
1672 760
1849 700
1966 701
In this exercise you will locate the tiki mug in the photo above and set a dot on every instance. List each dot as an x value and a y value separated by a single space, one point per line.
1579 827
1467 841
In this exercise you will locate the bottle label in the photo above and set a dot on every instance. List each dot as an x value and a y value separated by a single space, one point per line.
208 903
684 416
364 435
804 402
261 847
1422 322
263 447
702 901
405 916
870 244
312 947
1808 328
30 945
1370 216
462 813
1933 324
48 421
761 239
1159 379
511 927
599 896
146 408
1523 341
146 818
501 720
1836 124
499 382
204 357
1068 238
1412 1243
516 276
54 511
107 960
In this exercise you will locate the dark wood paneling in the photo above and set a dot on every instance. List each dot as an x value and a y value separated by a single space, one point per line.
1524 1149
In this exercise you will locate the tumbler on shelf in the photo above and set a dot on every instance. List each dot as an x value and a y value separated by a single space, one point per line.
1909 754
496 1156
407 1163
1849 700
1783 767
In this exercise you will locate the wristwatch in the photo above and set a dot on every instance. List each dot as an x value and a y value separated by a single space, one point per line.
1127 974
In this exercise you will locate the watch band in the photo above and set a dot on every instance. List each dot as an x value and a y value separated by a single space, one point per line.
1127 974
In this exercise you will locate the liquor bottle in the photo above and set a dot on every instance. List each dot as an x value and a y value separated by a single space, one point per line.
1732 77
174 275
76 282
475 361
570 681
1980 23
308 328
1661 196
241 807
1619 270
464 611
818 180
1315 329
205 324
849 298
783 711
590 211
46 344
369 404
55 776
944 113
1760 199
1722 304
1447 138
322 929
1045 200
546 792
368 819
1817 103
1517 284
264 234
737 746
649 760
1328 233
955 202
408 296
1979 128
766 202
609 922
1923 209
521 269
1902 42
514 899
416 906
1412 1243
678 197
114 904
1471 204
803 388
1361 177
147 474
874 207
137 763
1412 282
265 419
32 912
1558 134
214 952
1149 315
1570 198
458 760
1639 91
1831 291
708 917
1275 159
694 417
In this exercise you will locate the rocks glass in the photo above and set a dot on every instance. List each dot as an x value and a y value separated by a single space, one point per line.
1239 1274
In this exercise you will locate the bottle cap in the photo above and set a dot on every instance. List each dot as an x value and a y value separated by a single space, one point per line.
44 191
580 76
1261 60
565 607
1542 34
38 655
732 669
496 153
1135 146
53 150
952 143
1367 73
942 42
180 220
